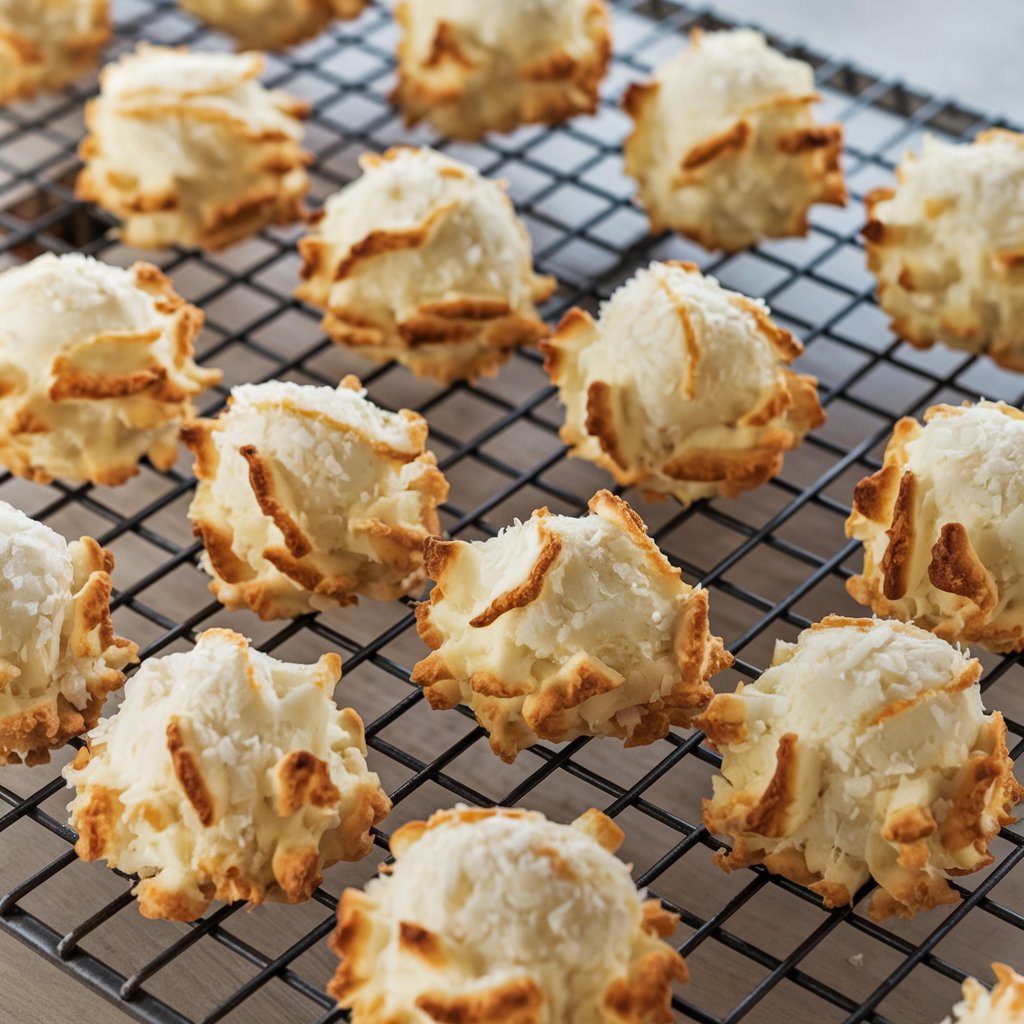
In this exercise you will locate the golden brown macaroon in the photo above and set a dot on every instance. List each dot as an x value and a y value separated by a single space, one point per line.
863 752
188 148
47 44
424 261
947 246
942 524
272 24
470 68
226 775
310 496
725 149
96 369
562 627
503 917
59 655
681 387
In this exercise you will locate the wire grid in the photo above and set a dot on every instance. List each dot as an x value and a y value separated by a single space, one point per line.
774 561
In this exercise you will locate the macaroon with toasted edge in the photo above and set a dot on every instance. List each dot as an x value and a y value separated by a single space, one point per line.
1004 1004
942 523
862 753
48 44
59 654
424 261
470 68
272 24
499 916
96 369
188 148
681 387
310 496
225 774
947 246
725 148
562 627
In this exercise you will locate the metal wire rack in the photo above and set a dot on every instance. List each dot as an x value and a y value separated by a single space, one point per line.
758 947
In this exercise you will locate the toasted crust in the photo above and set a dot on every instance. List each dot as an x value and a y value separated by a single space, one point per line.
948 269
929 570
258 127
754 175
479 657
259 826
379 290
263 543
787 820
393 968
689 447
465 88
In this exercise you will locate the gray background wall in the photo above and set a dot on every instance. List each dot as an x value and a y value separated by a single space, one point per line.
970 50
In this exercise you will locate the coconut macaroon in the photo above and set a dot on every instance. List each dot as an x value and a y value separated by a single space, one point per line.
562 627
47 45
862 753
470 68
943 526
725 148
503 917
424 261
272 24
59 656
1003 1005
947 246
190 149
227 775
96 369
309 496
682 387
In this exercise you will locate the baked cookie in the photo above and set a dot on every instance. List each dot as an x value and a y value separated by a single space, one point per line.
47 44
947 246
503 917
682 387
725 148
943 526
227 775
96 369
862 752
272 24
59 657
1003 1005
470 68
309 496
562 627
189 149
424 261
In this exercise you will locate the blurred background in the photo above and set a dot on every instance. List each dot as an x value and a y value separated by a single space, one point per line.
971 51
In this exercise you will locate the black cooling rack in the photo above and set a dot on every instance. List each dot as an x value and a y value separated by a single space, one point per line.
759 948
